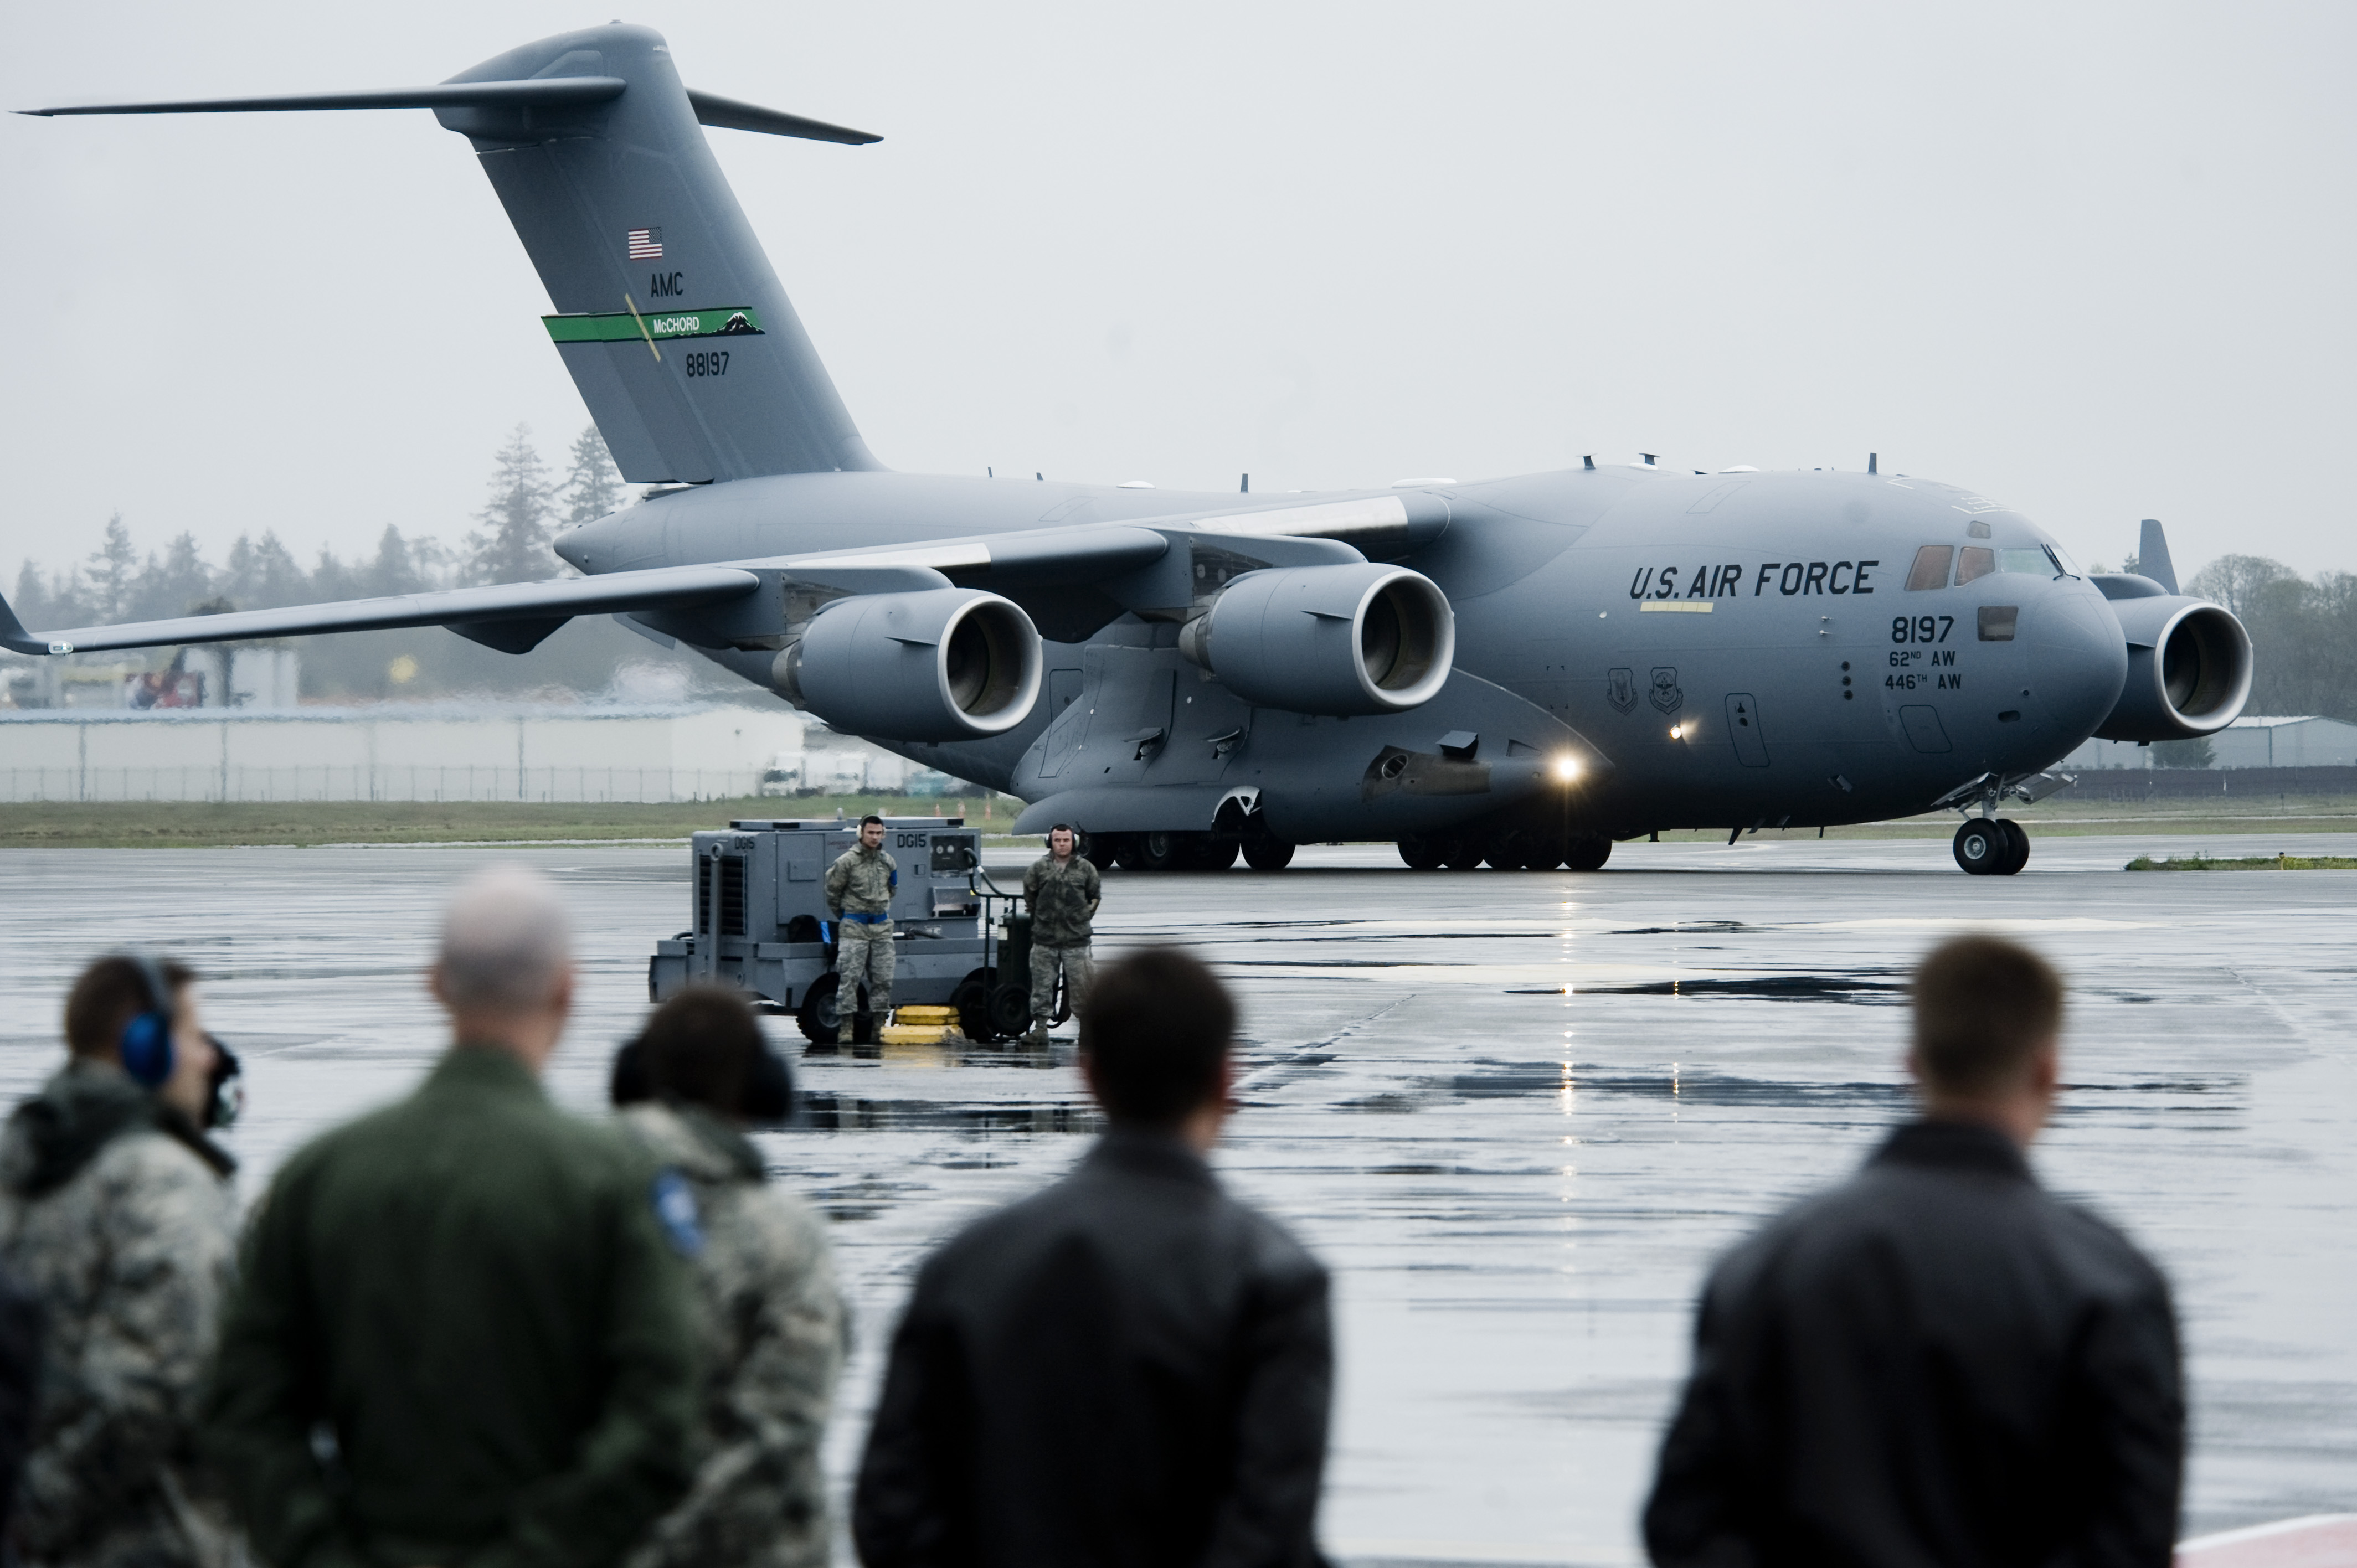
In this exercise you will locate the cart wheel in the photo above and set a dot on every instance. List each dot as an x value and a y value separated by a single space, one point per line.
1010 1009
819 1018
972 1000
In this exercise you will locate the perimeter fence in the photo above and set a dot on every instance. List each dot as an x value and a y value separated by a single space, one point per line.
396 781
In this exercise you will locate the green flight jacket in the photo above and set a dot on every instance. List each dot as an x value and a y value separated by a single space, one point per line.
1063 899
474 1294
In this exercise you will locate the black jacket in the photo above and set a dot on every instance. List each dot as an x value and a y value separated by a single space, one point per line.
1130 1368
1935 1363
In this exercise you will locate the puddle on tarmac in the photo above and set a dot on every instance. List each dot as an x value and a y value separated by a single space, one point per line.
1764 988
822 1112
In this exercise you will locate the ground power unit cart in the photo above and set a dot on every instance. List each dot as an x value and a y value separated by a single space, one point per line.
761 924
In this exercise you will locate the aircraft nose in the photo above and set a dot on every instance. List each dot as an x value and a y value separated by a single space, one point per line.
2078 659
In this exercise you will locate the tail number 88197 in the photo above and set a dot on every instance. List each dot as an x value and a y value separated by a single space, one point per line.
708 362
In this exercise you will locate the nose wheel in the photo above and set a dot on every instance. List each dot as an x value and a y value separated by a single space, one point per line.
1992 846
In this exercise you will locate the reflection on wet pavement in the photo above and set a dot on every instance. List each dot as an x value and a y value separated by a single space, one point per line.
1517 1113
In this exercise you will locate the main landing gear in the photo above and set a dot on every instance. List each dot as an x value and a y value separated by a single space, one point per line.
1992 846
1516 849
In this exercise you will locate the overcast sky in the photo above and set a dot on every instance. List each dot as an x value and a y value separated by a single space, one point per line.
2093 261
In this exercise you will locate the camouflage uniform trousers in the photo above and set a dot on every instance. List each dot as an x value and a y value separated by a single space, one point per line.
1076 965
863 953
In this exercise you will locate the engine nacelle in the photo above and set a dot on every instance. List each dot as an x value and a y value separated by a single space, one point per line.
939 664
1336 640
2189 669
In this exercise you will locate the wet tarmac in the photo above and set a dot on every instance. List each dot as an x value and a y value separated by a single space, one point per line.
1516 1112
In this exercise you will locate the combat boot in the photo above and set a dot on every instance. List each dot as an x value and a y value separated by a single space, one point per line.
1037 1037
844 1028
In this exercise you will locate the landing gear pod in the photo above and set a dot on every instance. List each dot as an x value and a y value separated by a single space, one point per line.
943 664
2189 669
1336 640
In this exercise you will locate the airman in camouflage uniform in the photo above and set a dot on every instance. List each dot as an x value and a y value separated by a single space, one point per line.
773 1330
1063 889
860 887
115 1212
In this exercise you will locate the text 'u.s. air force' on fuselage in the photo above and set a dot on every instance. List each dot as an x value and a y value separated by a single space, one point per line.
1518 671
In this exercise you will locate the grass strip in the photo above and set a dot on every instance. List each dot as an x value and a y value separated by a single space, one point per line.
2198 862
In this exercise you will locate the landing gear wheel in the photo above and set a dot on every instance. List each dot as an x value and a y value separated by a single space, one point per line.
1512 849
1268 855
1543 855
1161 851
1983 847
819 1019
1102 849
1462 853
1011 1010
1212 852
1588 854
1421 854
2017 838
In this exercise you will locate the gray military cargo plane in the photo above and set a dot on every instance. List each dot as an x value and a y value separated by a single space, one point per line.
1518 671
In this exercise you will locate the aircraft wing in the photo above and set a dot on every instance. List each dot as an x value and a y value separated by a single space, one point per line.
501 615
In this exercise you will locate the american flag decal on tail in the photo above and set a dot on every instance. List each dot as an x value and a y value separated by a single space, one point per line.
646 244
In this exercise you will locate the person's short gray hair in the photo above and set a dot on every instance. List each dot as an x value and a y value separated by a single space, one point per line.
505 942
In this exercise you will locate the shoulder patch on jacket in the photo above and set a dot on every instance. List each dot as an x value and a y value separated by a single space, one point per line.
675 1209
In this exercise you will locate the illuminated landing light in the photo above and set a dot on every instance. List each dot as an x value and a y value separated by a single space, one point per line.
1567 768
1677 732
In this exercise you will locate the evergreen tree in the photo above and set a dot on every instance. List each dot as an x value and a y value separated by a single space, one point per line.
593 486
113 571
511 545
394 570
178 583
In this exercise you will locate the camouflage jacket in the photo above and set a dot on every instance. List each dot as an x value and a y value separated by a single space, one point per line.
861 882
1063 899
116 1213
774 1334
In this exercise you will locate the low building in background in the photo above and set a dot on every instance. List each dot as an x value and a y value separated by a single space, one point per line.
432 751
2251 741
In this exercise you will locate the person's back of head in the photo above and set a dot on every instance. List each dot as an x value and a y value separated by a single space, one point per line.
1987 1014
1154 1037
704 1047
505 968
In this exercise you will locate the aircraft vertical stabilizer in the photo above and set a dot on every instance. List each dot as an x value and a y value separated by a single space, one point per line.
685 346
686 350
2152 556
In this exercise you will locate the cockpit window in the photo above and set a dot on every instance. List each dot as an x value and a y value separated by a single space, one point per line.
1931 568
2035 563
2063 561
1974 562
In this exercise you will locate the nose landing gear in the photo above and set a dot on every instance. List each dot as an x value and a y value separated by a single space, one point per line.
1992 846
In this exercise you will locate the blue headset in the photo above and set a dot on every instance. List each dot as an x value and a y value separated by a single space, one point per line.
145 1045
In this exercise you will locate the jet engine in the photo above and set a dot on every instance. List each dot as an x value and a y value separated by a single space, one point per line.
1338 641
2189 668
939 664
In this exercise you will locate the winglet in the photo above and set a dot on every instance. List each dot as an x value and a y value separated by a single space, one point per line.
15 637
2152 556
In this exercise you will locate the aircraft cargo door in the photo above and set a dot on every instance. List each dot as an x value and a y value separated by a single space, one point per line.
1743 724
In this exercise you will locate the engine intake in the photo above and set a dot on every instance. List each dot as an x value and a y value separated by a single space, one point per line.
939 664
1336 640
2189 669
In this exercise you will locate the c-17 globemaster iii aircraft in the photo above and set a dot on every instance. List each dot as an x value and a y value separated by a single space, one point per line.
1518 671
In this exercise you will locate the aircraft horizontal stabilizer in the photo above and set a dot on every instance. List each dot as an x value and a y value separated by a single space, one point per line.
500 611
548 93
541 92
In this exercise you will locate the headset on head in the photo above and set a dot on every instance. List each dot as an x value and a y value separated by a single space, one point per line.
145 1043
148 1054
